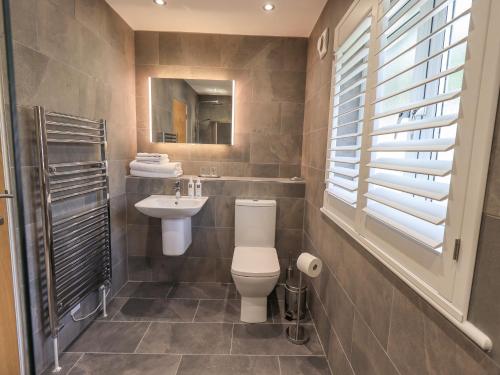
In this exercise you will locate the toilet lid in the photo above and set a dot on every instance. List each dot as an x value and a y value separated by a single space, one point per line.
255 261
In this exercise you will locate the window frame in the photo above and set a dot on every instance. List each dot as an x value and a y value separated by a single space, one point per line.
478 102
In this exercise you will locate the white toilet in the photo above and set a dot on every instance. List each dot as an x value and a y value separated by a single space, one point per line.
255 268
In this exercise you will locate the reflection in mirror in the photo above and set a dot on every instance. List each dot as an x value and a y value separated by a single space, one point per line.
191 111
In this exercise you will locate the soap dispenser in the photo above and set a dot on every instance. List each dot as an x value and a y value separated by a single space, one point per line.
191 187
198 187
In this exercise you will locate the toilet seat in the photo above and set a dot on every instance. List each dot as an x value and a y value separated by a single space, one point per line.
255 262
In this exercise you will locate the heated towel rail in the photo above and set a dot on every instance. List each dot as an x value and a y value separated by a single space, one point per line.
75 211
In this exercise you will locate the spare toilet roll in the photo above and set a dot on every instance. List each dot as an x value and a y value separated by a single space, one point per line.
309 264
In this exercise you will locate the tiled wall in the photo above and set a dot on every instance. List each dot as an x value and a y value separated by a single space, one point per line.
210 255
369 322
270 80
77 57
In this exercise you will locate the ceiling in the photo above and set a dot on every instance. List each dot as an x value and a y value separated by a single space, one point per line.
211 87
240 17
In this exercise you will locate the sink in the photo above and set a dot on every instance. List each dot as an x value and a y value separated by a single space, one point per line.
175 214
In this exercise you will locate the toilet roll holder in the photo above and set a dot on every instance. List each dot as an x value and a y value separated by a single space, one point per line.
295 333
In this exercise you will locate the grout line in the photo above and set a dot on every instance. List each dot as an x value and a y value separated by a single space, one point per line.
204 354
391 313
179 365
279 364
76 362
196 311
232 337
166 321
142 338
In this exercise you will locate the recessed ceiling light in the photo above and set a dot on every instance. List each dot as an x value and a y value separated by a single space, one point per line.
268 7
160 2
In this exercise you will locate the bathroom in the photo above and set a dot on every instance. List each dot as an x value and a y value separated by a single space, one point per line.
173 170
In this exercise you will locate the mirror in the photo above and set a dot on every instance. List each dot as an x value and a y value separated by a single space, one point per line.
191 111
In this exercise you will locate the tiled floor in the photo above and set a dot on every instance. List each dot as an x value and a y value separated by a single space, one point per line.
190 329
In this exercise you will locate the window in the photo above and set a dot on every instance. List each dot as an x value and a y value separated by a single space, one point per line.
407 151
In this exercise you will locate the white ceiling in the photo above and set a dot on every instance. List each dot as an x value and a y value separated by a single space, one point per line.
211 87
240 17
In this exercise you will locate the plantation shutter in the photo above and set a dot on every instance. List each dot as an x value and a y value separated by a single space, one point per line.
420 63
350 77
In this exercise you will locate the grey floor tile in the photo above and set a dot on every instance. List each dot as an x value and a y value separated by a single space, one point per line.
113 307
218 311
201 291
270 339
66 361
110 337
304 366
187 338
228 365
130 364
144 289
161 309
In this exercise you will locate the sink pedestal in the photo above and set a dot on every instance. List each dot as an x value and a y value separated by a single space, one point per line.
176 235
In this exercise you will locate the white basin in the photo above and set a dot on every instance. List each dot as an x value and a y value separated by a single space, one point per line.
175 214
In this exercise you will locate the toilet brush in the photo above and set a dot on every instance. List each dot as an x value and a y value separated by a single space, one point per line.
311 266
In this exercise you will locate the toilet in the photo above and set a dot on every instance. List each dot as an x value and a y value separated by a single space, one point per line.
255 267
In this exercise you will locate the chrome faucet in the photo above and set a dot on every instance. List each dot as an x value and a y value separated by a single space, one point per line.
177 189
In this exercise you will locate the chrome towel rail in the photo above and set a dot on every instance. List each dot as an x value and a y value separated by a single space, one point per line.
77 246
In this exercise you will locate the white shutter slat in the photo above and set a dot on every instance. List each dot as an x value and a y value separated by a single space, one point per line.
423 188
421 166
423 103
342 182
344 195
360 121
348 172
421 209
405 227
338 104
420 83
350 135
350 111
430 145
344 159
345 148
436 122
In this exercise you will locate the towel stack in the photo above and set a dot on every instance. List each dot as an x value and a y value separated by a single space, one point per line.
154 165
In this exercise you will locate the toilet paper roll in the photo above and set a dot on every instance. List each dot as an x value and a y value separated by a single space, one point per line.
309 264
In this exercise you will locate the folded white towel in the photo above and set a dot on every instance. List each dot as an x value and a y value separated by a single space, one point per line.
156 168
152 158
152 154
134 172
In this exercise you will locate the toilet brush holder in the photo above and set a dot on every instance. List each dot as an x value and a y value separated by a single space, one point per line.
295 333
311 266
